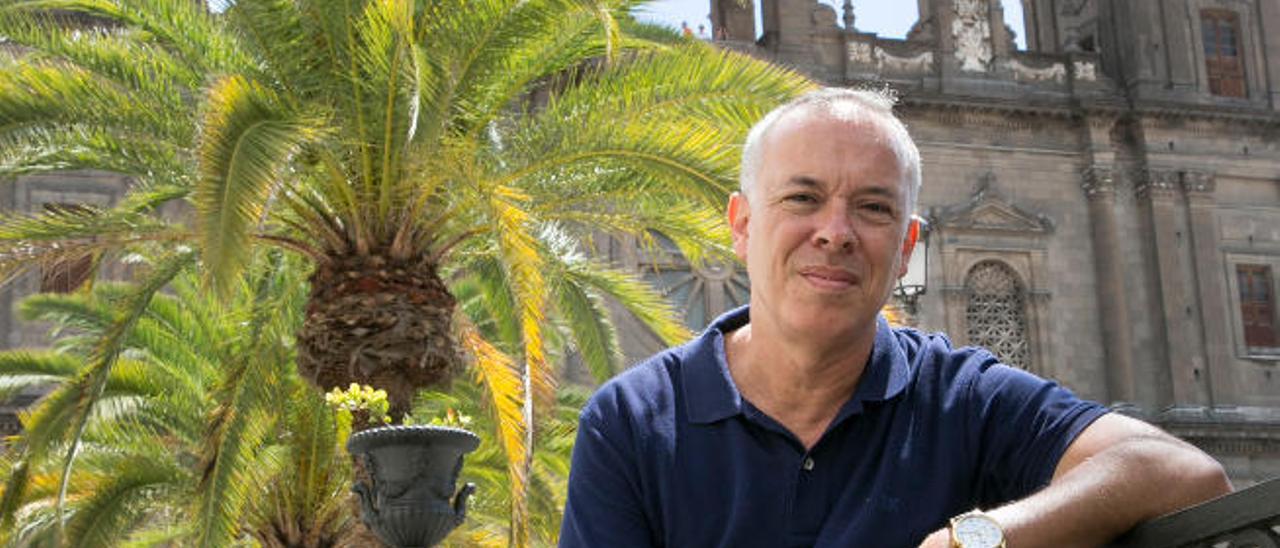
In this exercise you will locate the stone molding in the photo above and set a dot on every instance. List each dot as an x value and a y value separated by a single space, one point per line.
996 116
1098 182
1198 183
1156 183
988 210
1167 183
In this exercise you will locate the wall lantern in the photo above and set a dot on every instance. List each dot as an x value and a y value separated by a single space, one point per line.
912 286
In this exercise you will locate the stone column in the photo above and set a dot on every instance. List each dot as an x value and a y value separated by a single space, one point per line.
731 20
1211 287
1269 12
1038 336
1099 186
1158 189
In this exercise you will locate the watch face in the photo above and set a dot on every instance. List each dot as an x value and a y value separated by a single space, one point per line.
978 532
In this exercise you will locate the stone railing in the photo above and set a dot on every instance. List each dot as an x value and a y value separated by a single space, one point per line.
1249 518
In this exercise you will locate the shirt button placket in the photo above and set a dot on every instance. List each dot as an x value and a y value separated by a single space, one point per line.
807 465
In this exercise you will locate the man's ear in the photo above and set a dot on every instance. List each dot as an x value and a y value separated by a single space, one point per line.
739 213
909 244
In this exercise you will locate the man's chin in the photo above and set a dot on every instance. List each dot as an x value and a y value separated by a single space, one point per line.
830 327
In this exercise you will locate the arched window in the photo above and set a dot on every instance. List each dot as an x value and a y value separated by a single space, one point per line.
997 314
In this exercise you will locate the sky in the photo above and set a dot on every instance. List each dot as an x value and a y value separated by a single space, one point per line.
887 18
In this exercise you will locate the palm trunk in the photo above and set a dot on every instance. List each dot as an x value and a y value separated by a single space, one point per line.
378 322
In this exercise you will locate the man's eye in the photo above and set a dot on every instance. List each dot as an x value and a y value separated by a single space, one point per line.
877 208
801 198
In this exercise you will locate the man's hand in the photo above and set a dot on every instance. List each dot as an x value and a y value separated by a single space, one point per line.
938 539
1117 473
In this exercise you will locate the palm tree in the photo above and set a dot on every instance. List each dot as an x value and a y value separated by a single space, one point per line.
190 425
404 147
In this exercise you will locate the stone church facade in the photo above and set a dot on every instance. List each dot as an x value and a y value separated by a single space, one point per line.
1104 206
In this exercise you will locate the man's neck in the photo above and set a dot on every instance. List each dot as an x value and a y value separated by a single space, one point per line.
801 386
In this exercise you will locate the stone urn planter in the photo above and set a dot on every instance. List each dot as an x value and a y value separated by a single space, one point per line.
410 500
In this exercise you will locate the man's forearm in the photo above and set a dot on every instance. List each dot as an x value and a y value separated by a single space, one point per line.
1106 495
1131 482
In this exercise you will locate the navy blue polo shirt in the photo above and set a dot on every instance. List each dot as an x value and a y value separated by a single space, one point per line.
670 454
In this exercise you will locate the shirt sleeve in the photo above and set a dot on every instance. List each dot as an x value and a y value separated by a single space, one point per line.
604 506
1023 426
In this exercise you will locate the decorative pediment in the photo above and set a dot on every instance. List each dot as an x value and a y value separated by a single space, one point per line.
989 210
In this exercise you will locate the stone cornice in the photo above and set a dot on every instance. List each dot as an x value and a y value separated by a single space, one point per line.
981 105
1182 113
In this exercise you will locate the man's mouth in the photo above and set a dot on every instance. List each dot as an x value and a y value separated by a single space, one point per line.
829 277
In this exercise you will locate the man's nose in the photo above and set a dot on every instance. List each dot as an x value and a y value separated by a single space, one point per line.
836 231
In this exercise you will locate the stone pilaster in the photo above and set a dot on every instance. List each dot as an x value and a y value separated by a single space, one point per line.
1211 287
1099 185
1158 190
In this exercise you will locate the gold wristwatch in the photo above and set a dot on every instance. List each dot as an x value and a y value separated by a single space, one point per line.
976 529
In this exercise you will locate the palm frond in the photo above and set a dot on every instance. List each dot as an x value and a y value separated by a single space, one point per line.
248 139
43 94
23 255
22 369
127 59
187 30
638 297
505 387
588 321
90 385
116 503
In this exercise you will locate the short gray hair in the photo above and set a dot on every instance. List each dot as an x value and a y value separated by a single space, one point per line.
867 105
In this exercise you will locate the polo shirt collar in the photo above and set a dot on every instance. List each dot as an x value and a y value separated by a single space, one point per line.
711 396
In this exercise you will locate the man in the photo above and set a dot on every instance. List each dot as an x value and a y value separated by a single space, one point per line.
805 420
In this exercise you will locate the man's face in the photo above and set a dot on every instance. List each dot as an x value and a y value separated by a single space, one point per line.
823 232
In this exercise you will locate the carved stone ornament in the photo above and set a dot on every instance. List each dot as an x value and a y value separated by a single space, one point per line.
1085 71
1156 183
1098 181
1056 72
861 53
989 210
972 33
867 55
1199 182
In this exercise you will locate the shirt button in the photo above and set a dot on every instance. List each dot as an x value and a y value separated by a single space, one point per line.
808 463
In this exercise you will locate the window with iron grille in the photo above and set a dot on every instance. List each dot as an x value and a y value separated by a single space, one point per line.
68 274
997 313
1257 305
1220 30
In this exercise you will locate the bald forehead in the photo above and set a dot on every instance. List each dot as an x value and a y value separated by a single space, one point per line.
871 129
850 116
